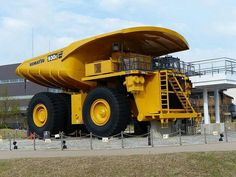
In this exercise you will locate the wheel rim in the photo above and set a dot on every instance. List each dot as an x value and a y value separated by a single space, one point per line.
100 112
40 115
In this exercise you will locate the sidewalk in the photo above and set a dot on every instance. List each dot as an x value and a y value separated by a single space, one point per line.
118 152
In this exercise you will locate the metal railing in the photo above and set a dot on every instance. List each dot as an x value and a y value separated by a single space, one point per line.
169 62
203 67
120 141
197 68
214 66
12 81
146 63
135 62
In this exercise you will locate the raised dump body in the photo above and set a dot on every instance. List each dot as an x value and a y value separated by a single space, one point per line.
109 81
65 68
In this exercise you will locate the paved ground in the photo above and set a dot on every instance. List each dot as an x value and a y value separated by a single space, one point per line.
84 143
134 151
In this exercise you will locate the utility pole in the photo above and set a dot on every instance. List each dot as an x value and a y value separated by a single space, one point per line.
32 42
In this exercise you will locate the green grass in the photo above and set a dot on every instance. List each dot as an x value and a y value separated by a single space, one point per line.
170 165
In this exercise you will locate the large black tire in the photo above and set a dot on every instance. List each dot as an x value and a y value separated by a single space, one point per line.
66 99
119 109
56 113
69 128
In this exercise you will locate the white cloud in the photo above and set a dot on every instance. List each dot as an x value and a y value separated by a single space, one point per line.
227 29
60 27
196 54
226 25
13 24
205 24
130 7
112 5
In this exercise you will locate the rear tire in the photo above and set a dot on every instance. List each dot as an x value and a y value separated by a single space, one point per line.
70 128
106 112
54 116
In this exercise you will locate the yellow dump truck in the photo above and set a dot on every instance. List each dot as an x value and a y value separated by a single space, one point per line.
110 79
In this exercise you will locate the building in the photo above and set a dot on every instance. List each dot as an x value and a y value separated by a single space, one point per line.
211 77
225 103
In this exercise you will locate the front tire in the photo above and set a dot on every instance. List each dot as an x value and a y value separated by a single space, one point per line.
106 112
46 112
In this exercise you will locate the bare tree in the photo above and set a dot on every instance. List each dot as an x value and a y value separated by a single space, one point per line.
4 105
8 108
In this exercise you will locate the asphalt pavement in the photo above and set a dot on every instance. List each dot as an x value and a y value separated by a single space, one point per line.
6 154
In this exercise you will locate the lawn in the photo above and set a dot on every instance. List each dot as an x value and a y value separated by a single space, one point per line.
176 164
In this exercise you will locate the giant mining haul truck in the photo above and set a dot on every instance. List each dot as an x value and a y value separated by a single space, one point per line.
108 80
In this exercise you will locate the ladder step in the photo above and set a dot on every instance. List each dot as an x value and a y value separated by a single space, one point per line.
181 96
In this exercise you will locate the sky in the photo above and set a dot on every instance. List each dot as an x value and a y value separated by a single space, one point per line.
208 25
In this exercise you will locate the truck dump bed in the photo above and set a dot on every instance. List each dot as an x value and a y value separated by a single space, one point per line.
65 68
